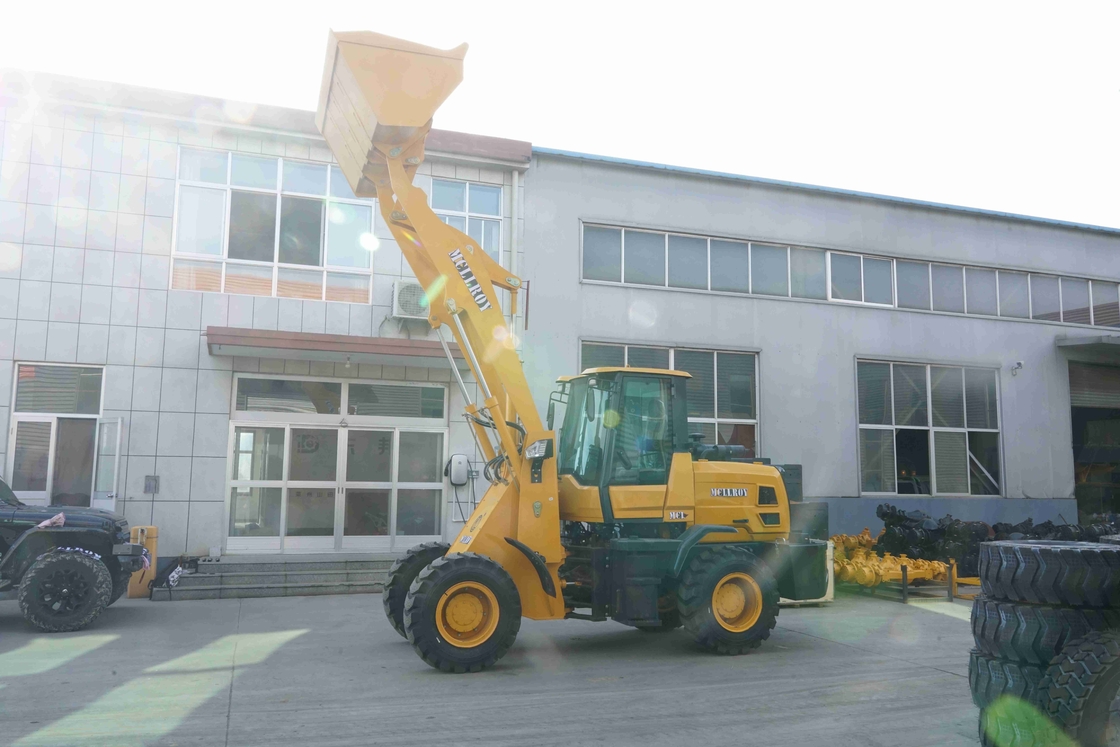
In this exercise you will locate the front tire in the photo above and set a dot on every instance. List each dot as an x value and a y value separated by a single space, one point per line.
401 575
728 600
462 613
64 591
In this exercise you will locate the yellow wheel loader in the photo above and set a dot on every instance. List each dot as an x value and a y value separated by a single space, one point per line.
628 517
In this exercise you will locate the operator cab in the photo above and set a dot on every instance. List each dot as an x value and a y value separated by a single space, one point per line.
623 424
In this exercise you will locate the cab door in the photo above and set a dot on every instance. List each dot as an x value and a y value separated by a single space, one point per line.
642 448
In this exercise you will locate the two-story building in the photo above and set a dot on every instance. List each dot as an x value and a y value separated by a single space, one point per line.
203 328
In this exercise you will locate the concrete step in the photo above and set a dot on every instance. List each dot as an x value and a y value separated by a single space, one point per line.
239 591
295 566
274 577
239 576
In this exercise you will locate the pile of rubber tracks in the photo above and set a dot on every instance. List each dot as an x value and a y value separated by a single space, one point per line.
1046 668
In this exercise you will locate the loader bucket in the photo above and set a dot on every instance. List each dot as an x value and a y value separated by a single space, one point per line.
377 89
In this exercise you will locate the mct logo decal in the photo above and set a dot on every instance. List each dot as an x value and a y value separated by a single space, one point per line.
729 492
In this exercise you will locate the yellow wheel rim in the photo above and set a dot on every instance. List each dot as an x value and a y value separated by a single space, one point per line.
737 602
467 614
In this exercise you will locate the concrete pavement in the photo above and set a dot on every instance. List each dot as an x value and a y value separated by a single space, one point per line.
325 671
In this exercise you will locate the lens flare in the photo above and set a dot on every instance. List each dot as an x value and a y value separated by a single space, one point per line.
411 237
433 291
369 242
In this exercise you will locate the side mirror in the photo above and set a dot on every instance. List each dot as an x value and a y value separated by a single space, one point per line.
589 405
551 413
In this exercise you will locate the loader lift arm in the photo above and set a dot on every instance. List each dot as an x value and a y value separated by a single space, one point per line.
375 111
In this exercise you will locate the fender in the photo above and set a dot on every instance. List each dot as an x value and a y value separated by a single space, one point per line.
538 565
34 542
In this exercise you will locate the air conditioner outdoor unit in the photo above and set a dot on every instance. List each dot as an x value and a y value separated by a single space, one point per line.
407 298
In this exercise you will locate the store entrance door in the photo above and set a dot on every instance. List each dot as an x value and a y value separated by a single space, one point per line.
305 488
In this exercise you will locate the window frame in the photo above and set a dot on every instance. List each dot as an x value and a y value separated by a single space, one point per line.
343 406
930 428
466 214
715 420
224 260
339 422
894 260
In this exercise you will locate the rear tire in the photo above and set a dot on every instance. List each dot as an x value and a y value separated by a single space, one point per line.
64 591
401 575
740 617
462 613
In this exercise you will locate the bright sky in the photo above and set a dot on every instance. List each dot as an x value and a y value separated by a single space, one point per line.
1001 106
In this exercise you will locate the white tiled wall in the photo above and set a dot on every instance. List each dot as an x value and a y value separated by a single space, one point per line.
86 215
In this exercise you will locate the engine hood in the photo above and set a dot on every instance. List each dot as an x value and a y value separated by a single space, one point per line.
75 516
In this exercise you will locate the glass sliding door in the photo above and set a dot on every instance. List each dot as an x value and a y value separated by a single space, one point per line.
303 479
256 488
419 488
312 488
368 489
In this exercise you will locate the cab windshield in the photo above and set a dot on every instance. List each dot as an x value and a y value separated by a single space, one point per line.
586 420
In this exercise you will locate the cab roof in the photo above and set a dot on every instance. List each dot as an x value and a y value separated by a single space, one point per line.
623 369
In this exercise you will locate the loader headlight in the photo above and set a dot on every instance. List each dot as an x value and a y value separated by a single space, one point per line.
539 449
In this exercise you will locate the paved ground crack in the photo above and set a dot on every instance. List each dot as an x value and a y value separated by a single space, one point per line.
233 672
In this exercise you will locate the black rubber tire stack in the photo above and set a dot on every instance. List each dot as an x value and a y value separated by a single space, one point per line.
1038 627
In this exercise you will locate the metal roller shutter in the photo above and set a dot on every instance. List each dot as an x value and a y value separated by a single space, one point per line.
1094 386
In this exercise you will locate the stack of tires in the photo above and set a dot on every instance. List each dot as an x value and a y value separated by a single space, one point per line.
1047 632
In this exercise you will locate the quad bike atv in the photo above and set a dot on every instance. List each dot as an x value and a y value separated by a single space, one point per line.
629 517
63 576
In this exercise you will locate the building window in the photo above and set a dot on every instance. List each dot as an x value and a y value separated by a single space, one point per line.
267 226
928 429
722 393
475 209
62 452
301 481
669 260
860 279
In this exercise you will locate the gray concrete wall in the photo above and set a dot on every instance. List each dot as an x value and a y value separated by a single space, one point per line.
807 349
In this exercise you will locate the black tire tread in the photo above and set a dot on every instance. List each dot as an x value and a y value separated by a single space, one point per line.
1086 670
401 575
694 607
102 590
1000 731
1075 574
1031 633
990 677
425 641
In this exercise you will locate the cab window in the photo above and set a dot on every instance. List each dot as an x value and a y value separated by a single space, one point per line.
644 439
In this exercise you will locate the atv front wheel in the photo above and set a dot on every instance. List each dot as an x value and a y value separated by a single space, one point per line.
64 591
462 613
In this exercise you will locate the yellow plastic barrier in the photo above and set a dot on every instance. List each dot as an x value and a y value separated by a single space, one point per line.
149 538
